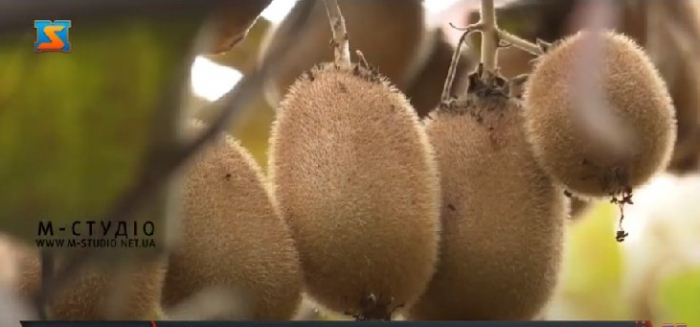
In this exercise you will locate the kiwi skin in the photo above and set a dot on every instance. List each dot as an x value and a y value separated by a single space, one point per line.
679 68
233 235
357 182
86 298
503 217
579 208
637 96
390 34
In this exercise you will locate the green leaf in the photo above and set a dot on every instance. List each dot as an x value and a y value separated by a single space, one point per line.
593 265
74 127
679 297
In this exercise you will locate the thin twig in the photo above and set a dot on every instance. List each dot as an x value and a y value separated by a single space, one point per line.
489 36
519 43
156 174
447 88
341 44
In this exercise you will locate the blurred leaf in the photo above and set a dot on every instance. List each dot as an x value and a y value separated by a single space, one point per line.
75 127
253 129
596 258
244 56
232 22
679 297
593 268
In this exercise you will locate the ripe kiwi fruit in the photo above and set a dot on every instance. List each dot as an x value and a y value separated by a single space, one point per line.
551 20
389 33
91 295
357 181
233 235
424 92
673 45
579 207
503 217
635 95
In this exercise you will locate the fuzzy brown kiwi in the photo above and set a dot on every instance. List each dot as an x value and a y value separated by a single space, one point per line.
556 19
389 33
502 215
89 296
424 92
369 173
579 208
673 46
636 95
233 235
357 181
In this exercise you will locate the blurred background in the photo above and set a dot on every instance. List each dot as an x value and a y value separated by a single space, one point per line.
654 274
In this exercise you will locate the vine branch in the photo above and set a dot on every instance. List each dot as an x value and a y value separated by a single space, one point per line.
489 35
491 38
447 88
519 42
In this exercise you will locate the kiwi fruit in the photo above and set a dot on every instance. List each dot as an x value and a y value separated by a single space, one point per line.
390 34
503 217
424 92
357 182
578 208
673 41
635 95
232 234
551 20
91 295
361 192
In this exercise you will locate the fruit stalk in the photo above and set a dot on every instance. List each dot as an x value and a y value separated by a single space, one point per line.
341 45
519 43
489 36
449 79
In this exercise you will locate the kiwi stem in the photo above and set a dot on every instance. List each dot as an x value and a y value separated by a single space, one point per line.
519 43
447 88
489 35
341 45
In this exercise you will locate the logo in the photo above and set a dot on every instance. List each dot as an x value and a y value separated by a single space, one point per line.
52 36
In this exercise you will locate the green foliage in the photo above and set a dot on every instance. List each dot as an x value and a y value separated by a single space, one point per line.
592 276
74 127
679 297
